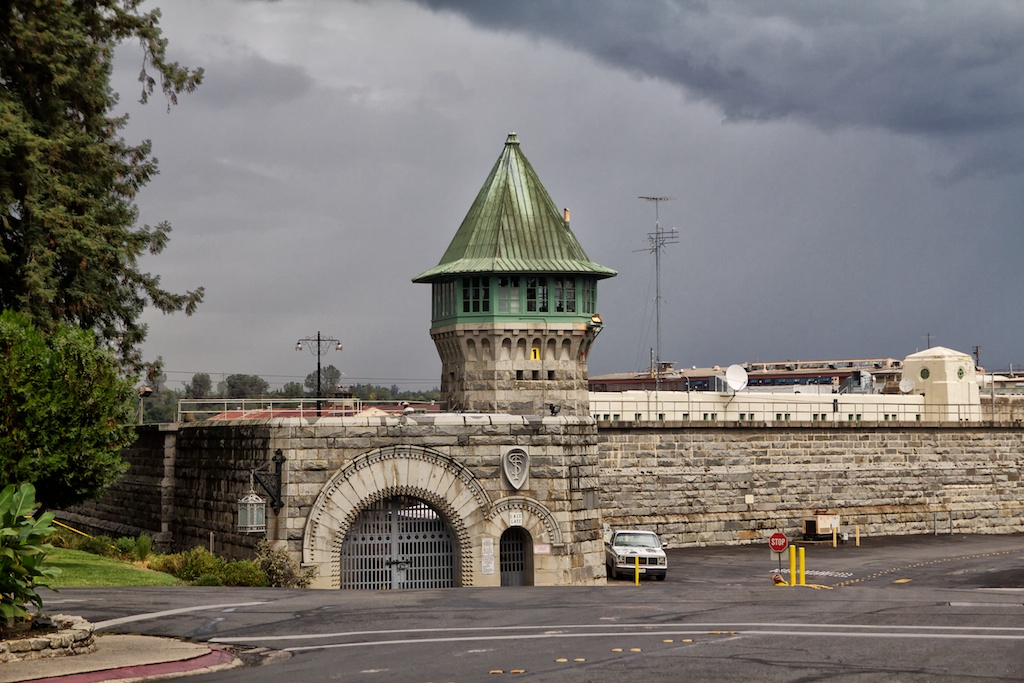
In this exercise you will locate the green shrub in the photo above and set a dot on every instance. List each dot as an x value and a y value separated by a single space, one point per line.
244 573
98 545
143 547
199 561
22 552
125 546
281 569
169 564
62 538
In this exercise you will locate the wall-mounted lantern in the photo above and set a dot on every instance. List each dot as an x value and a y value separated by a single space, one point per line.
252 511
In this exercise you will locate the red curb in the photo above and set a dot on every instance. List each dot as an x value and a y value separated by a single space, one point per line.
214 657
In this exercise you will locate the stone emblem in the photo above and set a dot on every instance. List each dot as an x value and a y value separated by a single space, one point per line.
515 463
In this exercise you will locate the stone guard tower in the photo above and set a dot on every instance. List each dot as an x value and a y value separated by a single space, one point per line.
514 301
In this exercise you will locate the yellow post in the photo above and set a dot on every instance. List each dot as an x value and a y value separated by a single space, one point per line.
834 532
792 565
858 535
637 572
803 567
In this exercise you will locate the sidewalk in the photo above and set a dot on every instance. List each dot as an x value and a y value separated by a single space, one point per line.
123 658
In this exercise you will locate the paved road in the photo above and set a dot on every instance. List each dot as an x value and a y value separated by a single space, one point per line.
946 608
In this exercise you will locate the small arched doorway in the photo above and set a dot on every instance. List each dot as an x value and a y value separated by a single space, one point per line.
515 557
398 543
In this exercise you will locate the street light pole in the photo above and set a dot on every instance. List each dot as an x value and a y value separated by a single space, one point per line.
320 342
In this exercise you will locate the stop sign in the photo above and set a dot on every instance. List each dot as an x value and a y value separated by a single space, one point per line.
778 542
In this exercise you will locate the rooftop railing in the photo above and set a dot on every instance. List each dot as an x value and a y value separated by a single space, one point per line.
198 410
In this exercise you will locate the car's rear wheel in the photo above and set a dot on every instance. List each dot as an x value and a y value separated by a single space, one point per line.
660 577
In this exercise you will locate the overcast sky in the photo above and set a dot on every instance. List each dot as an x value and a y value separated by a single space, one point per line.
847 177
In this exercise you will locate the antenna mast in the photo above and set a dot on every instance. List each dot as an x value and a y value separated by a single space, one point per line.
657 241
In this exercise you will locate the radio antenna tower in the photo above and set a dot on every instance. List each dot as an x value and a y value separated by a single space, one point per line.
657 241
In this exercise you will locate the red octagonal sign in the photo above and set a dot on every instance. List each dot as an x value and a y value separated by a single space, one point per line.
778 542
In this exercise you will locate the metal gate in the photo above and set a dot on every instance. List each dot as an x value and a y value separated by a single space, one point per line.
398 543
513 557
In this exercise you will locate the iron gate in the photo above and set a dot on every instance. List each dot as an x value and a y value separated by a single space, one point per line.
398 543
512 554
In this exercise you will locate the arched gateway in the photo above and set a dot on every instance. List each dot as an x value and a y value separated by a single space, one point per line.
375 488
411 517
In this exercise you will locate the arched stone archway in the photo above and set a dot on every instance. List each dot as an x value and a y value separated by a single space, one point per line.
414 471
530 515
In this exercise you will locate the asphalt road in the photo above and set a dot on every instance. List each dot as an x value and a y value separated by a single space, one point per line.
927 608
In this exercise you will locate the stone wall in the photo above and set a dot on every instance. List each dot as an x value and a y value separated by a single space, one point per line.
1007 409
197 477
699 485
74 637
696 484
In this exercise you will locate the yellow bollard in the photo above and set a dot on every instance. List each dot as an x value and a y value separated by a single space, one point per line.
792 565
637 573
858 534
803 567
834 532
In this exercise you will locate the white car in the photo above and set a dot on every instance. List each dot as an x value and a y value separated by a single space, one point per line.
623 547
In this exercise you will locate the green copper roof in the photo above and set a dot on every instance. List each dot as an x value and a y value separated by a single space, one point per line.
513 227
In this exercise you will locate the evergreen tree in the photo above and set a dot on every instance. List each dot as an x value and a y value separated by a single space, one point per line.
245 386
200 387
69 243
65 412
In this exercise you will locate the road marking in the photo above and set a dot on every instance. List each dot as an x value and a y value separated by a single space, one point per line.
799 630
1016 605
170 612
801 634
700 629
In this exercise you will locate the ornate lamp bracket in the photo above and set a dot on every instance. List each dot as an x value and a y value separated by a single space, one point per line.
271 481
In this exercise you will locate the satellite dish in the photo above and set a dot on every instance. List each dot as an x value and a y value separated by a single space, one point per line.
736 378
906 385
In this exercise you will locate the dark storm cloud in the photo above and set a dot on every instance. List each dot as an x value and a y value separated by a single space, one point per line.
238 77
940 69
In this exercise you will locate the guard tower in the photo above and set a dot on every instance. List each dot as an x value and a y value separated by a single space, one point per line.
514 308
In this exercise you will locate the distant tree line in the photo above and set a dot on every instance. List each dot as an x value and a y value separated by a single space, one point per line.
162 404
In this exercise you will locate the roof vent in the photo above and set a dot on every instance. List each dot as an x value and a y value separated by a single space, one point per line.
512 139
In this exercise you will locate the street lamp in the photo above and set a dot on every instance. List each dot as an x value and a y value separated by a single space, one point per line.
318 345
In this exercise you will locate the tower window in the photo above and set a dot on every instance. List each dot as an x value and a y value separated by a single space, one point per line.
508 294
537 294
476 295
588 297
565 294
444 299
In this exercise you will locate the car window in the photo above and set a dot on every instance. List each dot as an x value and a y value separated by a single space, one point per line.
636 540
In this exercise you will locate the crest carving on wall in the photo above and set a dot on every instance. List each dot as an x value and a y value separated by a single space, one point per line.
515 463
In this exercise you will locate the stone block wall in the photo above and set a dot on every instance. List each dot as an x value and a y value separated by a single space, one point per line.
196 482
1007 409
699 485
135 504
695 484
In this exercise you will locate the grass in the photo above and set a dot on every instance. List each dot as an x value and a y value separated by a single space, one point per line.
81 569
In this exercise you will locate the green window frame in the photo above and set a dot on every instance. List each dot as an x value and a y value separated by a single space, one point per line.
536 294
588 296
565 294
476 295
508 294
